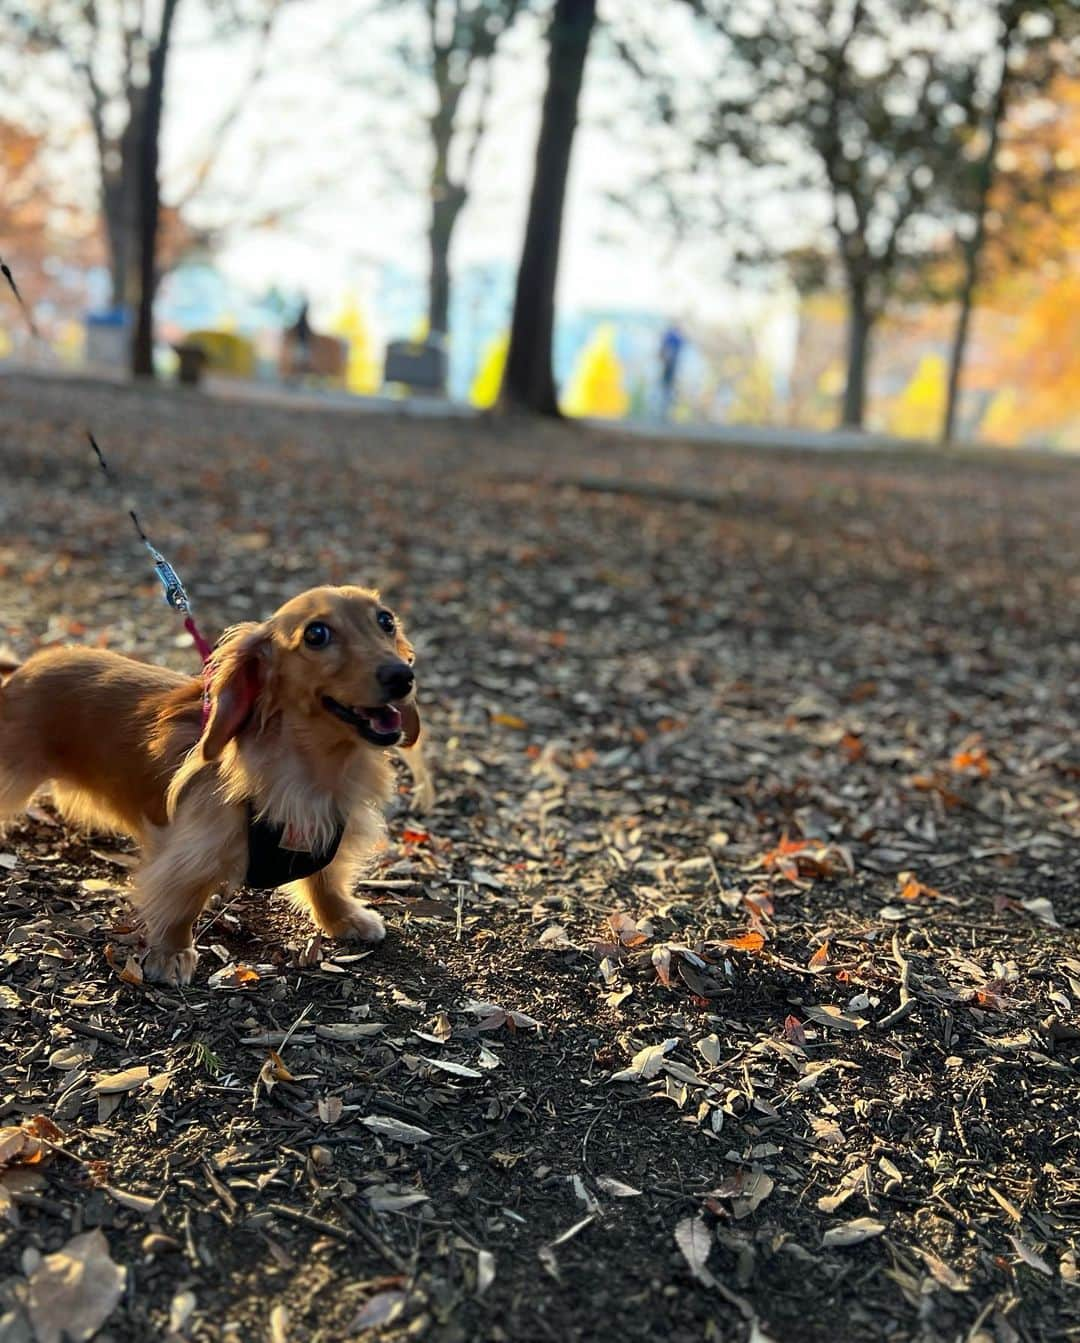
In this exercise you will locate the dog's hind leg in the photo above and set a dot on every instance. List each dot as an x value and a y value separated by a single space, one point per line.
17 786
19 778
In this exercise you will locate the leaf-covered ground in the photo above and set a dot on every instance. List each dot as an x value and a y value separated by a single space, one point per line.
731 988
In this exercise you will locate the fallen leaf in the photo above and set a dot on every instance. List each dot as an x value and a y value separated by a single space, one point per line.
1043 910
615 1188
852 1233
330 1108
746 1189
485 1271
941 1272
73 1292
510 720
384 1199
344 1032
1029 1256
793 1031
455 1069
825 1014
627 930
115 1084
849 1184
378 1311
694 1241
751 942
820 959
233 977
140 1203
395 1129
645 1064
709 1049
661 959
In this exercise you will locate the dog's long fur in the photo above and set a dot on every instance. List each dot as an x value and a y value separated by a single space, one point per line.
123 745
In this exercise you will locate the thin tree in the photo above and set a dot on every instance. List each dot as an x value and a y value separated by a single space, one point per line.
846 118
1027 64
149 211
114 59
529 381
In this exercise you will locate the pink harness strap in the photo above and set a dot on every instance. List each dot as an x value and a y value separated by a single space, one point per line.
205 652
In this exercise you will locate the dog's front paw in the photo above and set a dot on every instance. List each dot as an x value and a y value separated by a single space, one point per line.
356 922
170 967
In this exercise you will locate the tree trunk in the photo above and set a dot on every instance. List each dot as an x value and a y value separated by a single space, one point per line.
444 216
974 245
529 381
149 196
120 206
860 325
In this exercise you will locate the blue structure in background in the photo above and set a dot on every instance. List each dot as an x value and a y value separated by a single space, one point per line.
197 296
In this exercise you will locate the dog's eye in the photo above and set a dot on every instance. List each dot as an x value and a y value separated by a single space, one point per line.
317 635
386 621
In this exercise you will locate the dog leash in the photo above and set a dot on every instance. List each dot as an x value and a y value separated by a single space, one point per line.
175 594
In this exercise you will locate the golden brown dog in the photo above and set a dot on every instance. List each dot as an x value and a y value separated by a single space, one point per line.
285 785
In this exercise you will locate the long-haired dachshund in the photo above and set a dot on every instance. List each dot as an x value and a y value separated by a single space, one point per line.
284 785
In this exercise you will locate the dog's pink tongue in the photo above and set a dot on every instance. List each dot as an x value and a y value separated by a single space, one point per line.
387 719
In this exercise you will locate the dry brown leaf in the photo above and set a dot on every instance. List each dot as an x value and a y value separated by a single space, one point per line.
645 1064
694 1242
852 1233
378 1311
820 959
1030 1257
233 977
115 1084
826 1014
395 1129
73 1292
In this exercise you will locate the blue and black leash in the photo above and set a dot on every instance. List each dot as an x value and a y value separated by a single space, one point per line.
175 593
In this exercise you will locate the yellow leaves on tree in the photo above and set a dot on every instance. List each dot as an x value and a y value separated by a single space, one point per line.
1033 247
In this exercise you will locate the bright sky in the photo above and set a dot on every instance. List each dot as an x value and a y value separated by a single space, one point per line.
356 152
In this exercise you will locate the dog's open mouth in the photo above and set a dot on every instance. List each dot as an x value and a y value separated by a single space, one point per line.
382 726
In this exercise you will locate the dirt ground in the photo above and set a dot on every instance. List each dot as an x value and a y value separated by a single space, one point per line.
731 985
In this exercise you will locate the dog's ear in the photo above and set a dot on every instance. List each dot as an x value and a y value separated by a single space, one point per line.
238 676
410 719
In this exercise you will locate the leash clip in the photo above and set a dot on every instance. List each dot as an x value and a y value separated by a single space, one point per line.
175 595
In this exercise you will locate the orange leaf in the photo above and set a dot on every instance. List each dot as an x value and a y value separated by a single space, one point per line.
415 836
793 1031
852 746
280 1072
820 959
509 720
752 942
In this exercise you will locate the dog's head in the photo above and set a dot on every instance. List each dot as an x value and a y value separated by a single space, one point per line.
336 657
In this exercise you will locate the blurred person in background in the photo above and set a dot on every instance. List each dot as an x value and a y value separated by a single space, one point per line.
672 344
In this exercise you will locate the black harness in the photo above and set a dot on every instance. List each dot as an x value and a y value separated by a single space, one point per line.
270 864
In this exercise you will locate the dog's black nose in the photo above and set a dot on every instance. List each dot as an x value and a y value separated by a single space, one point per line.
396 678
